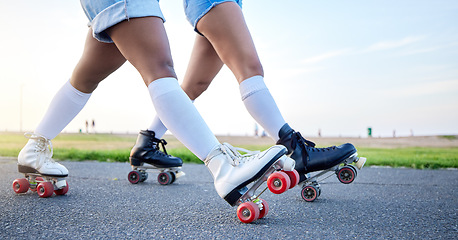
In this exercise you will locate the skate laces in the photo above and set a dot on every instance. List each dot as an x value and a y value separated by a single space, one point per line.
162 143
42 145
235 155
308 144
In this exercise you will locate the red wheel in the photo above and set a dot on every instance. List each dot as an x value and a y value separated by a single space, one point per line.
62 191
346 175
45 189
248 212
21 185
309 193
278 182
134 177
164 178
265 209
293 176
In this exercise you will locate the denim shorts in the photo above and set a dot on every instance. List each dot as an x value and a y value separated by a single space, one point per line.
103 14
196 9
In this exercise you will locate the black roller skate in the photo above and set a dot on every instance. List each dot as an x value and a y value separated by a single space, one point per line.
146 150
334 159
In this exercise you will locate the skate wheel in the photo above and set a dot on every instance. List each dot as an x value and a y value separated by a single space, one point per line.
310 193
278 182
144 176
62 191
294 177
164 178
265 209
21 185
174 177
248 212
45 189
346 175
134 177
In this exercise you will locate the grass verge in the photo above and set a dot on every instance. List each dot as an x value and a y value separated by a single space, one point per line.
115 148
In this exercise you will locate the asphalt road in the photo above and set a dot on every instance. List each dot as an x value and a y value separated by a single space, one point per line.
382 203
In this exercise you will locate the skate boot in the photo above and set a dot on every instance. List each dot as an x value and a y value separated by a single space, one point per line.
233 172
146 150
35 157
311 159
42 173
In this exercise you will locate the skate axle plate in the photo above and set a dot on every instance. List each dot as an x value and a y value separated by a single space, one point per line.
166 175
345 172
44 185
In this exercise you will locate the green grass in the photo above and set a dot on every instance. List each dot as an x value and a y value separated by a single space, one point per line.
415 157
116 148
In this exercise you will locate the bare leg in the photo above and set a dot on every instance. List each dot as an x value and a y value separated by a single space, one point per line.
224 26
97 62
198 78
144 43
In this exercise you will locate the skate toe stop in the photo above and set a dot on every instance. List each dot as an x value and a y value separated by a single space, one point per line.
179 174
288 163
360 163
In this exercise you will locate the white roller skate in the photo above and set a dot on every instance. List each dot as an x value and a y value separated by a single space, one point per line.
42 173
233 172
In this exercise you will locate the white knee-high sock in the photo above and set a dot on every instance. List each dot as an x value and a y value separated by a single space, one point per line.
65 105
261 105
180 116
158 127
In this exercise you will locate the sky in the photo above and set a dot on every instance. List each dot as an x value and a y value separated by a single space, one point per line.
338 67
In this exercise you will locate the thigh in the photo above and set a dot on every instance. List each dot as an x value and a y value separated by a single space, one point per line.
224 26
144 43
198 78
196 9
97 62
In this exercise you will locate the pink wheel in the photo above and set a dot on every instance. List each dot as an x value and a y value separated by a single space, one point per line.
293 176
62 191
21 185
45 189
278 182
346 175
265 209
248 212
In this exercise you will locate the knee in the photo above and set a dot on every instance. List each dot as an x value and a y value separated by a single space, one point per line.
158 69
195 90
249 69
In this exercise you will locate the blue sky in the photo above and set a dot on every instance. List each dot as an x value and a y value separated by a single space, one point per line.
338 66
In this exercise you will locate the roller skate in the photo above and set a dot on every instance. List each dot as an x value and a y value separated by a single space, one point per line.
316 164
42 174
146 150
237 177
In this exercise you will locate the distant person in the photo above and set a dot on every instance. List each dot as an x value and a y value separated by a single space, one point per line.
134 30
87 126
93 126
223 38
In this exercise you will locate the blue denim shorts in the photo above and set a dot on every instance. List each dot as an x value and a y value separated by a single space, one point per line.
196 9
103 14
